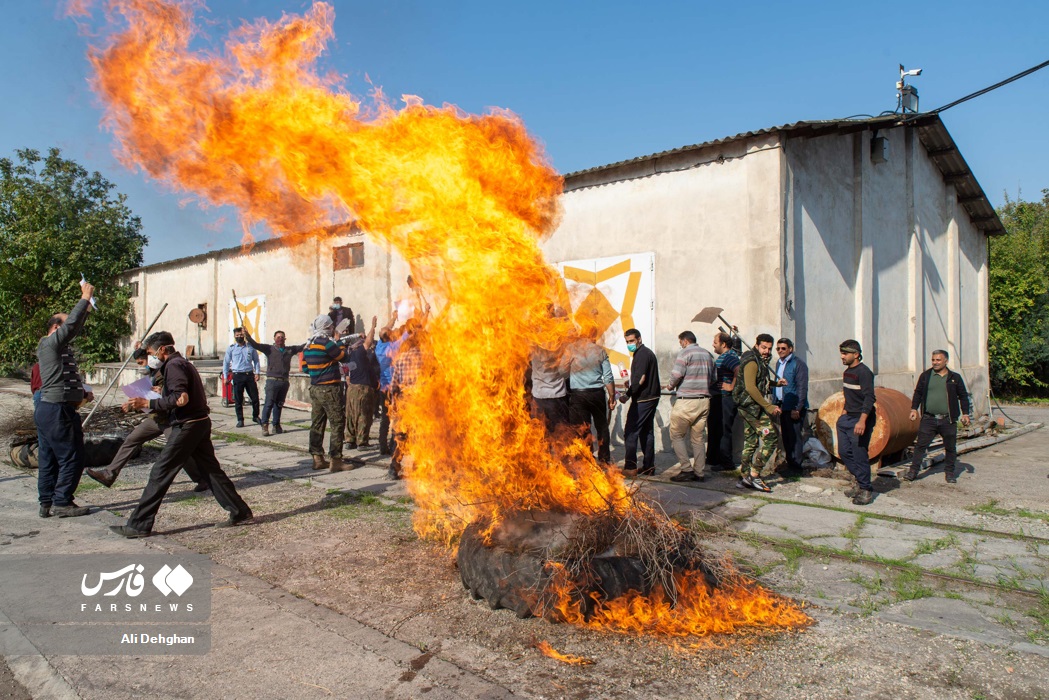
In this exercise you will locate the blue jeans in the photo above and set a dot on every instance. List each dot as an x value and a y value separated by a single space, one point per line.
276 392
60 452
852 448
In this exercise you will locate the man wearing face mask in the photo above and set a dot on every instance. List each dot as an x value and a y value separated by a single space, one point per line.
187 404
339 313
243 362
154 425
643 390
278 369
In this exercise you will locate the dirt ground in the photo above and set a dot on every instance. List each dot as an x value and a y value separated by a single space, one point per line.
357 554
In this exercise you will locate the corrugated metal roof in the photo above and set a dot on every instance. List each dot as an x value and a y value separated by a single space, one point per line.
931 132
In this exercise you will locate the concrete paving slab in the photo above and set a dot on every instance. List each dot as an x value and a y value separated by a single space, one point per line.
802 522
944 559
843 544
880 538
738 507
952 617
676 499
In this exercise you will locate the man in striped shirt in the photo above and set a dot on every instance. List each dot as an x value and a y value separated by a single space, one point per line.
693 377
322 357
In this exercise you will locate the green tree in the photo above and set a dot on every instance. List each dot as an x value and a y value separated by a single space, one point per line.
58 221
1019 299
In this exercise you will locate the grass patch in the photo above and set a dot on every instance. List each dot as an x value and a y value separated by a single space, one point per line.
930 546
872 584
908 586
88 484
991 507
793 555
351 506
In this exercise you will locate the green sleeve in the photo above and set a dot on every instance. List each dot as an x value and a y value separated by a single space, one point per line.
750 382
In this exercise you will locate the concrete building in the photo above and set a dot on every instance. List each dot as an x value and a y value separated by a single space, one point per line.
819 231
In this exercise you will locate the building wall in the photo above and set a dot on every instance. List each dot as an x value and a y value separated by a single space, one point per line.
709 221
298 283
883 253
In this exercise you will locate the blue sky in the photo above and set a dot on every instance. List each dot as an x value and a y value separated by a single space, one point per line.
596 82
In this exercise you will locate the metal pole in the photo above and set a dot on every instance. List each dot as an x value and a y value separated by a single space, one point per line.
98 401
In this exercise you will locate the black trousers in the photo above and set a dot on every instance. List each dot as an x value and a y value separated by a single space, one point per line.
554 412
728 423
929 428
143 433
640 427
189 440
714 429
790 429
852 448
242 381
586 406
60 451
276 393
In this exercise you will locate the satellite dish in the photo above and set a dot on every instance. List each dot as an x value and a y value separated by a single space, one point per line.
197 316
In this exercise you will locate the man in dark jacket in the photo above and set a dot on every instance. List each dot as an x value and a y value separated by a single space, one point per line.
942 397
856 423
278 370
187 406
792 396
644 390
58 428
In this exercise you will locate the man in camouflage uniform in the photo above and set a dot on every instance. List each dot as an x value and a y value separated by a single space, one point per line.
752 387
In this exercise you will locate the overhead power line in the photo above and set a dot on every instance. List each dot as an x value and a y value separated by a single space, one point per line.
981 92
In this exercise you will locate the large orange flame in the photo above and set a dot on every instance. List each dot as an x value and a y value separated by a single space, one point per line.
465 199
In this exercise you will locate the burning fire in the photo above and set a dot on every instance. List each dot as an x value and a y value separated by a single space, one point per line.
700 610
571 659
465 199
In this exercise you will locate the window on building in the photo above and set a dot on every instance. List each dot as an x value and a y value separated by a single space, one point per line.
345 257
133 287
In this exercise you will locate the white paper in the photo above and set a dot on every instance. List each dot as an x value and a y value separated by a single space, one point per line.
140 389
83 281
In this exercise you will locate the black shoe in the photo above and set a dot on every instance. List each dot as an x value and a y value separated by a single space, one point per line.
951 479
256 420
364 445
45 510
277 429
102 476
201 487
686 476
240 424
852 492
910 475
863 498
791 473
351 445
383 452
70 511
233 522
646 472
125 531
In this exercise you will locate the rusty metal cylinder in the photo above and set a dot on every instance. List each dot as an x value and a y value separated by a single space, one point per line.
893 431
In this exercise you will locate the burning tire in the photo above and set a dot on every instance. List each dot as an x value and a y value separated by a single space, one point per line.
523 579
